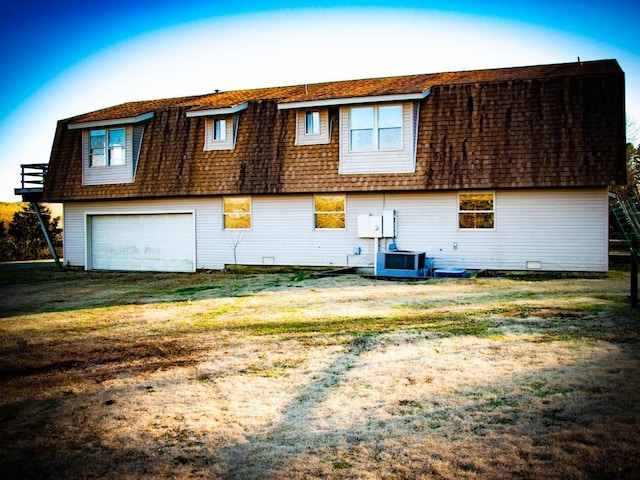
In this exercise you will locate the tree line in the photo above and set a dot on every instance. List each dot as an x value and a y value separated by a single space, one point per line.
22 237
633 167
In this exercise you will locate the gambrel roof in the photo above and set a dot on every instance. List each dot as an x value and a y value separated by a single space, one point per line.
549 126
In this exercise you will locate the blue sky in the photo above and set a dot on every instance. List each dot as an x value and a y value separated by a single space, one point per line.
66 57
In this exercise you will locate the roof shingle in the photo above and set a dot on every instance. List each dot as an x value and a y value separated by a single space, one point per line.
526 127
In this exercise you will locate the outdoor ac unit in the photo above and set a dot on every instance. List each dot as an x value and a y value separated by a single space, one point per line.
403 263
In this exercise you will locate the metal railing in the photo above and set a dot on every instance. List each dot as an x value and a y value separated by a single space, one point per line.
626 210
33 175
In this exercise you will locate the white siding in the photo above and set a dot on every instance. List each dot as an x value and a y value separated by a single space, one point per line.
229 143
138 134
325 131
397 161
283 233
564 230
112 174
73 231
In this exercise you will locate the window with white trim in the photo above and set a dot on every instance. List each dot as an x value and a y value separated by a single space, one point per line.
375 128
312 123
378 138
219 130
476 210
107 147
220 133
237 212
312 127
329 211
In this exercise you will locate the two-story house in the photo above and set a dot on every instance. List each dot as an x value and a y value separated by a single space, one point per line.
505 169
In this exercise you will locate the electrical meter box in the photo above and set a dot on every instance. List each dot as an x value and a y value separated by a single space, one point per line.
370 226
377 226
389 224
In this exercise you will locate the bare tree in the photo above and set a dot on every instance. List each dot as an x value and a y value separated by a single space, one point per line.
234 240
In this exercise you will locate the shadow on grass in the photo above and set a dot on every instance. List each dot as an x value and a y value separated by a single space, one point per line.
599 436
103 359
517 427
558 437
29 291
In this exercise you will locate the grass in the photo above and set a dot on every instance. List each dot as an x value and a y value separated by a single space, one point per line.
283 375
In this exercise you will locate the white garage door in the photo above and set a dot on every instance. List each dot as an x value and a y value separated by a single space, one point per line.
161 243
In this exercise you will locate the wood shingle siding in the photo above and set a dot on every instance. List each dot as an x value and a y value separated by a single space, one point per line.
557 132
552 126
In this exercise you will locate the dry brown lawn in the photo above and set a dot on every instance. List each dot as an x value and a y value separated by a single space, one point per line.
280 375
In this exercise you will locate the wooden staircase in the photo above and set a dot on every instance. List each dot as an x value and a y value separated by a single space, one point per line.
31 190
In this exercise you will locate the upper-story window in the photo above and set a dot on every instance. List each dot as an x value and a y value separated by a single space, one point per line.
111 148
312 123
375 128
378 138
312 127
219 130
107 147
219 133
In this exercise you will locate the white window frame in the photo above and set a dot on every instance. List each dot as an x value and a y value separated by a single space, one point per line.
342 212
219 129
376 128
220 132
108 149
460 211
312 122
248 214
320 132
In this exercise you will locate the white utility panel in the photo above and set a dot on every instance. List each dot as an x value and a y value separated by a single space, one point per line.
377 226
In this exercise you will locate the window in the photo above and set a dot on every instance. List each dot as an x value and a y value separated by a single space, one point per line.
378 138
375 128
476 210
219 130
312 123
106 147
312 127
96 148
390 128
361 129
237 212
329 211
220 133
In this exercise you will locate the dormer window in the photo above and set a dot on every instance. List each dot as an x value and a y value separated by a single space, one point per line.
220 133
312 123
219 130
220 126
107 147
378 138
110 148
375 128
312 127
